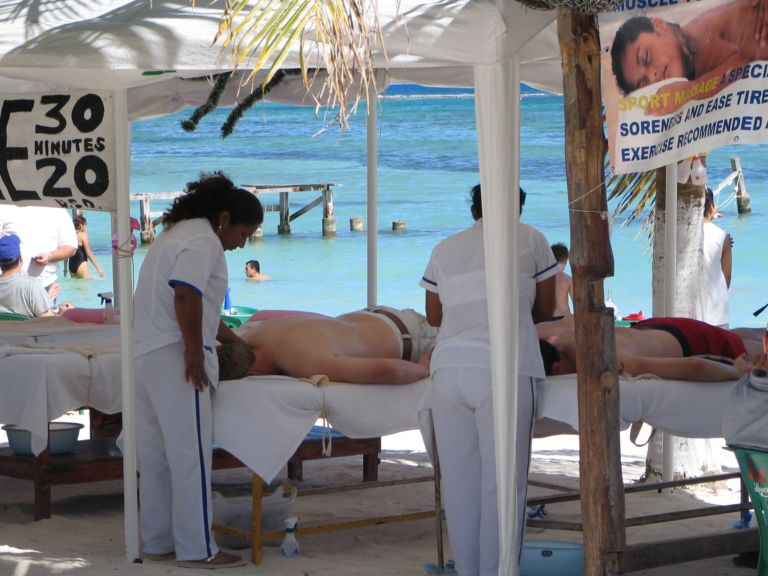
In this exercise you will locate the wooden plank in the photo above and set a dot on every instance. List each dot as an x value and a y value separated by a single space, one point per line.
653 554
303 210
99 459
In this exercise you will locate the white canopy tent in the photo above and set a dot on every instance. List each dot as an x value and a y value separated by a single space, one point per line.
142 53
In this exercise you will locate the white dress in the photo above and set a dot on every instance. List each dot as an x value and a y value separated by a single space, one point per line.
461 395
173 420
714 288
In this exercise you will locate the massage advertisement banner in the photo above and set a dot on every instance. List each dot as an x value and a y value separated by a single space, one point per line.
58 150
682 77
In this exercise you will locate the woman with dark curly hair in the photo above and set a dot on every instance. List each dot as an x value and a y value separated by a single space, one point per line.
177 322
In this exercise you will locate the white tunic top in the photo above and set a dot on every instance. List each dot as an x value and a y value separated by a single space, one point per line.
191 254
714 288
456 272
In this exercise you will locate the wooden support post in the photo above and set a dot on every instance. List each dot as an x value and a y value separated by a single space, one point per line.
329 220
356 224
602 506
743 203
285 218
145 219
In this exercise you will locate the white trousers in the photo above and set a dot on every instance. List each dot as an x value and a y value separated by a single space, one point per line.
174 440
462 413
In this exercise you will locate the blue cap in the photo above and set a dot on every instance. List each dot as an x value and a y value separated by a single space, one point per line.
10 247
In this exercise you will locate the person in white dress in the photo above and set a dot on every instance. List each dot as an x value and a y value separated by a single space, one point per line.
461 395
177 322
718 261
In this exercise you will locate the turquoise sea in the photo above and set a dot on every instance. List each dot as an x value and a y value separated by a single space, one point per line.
427 164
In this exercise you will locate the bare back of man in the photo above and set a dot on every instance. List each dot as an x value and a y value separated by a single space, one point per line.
359 347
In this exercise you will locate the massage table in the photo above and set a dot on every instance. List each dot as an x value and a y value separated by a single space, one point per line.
262 420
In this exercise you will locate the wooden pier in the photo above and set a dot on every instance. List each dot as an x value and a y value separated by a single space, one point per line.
150 220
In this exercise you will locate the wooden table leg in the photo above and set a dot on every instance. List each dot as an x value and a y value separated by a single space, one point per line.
370 467
295 470
256 522
42 487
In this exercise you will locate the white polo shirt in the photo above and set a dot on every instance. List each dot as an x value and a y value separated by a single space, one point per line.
191 254
456 272
41 229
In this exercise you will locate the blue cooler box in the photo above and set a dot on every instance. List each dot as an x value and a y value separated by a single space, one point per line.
552 558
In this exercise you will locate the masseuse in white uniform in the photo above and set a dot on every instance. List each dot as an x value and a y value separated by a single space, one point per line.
461 393
177 321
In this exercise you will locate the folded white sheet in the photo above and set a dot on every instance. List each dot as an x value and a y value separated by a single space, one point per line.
683 408
261 420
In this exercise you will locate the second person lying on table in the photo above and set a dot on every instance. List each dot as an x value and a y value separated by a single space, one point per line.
378 345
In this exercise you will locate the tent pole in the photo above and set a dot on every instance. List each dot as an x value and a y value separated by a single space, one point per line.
372 205
125 303
497 96
670 290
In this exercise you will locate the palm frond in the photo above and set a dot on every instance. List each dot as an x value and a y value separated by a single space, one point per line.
342 34
636 193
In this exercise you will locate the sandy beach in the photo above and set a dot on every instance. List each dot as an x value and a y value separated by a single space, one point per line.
85 534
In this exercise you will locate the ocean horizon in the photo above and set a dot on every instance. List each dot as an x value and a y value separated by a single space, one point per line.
428 162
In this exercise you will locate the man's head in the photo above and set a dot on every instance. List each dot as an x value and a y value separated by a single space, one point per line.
252 268
648 50
560 252
10 252
709 203
235 360
559 358
477 201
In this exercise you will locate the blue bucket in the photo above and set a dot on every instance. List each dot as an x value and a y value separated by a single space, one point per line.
62 438
552 558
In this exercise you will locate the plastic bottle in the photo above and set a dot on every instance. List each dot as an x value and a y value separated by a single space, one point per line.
228 301
109 308
290 546
698 172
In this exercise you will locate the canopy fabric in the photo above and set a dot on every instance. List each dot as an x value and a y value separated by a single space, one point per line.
118 44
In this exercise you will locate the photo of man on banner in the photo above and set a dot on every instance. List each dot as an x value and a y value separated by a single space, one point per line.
683 63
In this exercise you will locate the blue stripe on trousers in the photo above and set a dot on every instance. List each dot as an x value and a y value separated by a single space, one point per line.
203 484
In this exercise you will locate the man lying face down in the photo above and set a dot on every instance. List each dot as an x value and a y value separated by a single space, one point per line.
671 348
374 346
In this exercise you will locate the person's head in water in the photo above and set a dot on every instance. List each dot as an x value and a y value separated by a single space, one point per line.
648 50
252 269
477 201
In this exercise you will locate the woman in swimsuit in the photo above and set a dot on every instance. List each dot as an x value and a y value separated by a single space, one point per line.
78 264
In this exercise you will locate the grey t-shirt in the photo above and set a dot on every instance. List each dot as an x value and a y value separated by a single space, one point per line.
22 295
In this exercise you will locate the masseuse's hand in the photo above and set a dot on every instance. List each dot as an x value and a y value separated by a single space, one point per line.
426 359
194 369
